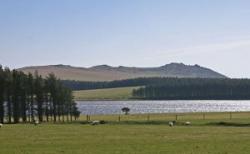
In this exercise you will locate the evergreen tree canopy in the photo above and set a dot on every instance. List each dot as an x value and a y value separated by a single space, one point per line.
194 89
30 97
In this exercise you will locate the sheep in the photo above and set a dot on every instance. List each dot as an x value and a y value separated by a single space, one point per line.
95 122
187 123
170 123
1 125
36 123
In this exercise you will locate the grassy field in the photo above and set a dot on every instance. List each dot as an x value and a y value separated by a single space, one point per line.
133 135
124 93
197 118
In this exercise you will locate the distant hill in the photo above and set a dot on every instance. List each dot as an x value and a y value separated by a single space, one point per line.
109 73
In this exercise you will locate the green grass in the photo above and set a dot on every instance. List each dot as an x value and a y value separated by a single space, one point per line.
124 93
197 118
133 135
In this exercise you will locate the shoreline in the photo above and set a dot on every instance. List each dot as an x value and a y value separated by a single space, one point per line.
162 100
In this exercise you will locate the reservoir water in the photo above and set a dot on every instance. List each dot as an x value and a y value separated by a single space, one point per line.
182 106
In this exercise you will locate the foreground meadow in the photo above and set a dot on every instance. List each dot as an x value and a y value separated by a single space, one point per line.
131 137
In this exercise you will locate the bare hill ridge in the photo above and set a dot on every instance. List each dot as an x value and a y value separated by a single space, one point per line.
109 73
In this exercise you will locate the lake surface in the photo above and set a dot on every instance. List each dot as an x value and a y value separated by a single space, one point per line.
114 107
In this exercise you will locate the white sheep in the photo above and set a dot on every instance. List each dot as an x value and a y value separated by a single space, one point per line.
171 124
36 123
1 125
187 123
95 122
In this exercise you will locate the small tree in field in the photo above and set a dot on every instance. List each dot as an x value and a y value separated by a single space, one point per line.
125 110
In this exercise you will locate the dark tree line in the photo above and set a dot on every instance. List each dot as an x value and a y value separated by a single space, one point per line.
84 85
26 98
194 89
175 88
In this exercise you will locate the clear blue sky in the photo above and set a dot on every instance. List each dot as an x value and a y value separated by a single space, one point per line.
211 33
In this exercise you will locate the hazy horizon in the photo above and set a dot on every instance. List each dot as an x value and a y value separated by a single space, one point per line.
140 33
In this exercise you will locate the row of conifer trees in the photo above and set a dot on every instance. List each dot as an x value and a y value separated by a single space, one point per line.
26 98
195 89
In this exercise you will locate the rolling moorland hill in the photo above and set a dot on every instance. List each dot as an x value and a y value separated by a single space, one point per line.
109 73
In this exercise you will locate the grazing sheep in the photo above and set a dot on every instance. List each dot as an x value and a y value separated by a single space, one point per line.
1 125
171 124
36 123
187 123
95 122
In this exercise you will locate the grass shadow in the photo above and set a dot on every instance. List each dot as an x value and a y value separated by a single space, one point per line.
230 124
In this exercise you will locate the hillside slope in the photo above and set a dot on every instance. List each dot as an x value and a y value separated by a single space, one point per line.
124 93
109 73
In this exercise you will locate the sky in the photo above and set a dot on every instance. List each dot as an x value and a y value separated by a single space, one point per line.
143 33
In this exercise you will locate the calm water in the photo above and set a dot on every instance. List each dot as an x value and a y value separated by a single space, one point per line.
114 107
